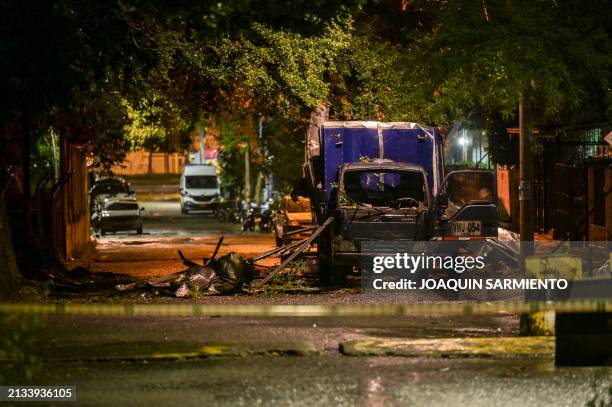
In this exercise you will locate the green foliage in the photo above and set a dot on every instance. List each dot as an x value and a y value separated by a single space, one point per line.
154 127
126 75
291 276
487 55
19 360
196 291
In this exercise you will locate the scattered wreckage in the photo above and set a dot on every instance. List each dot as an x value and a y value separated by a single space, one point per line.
232 273
228 274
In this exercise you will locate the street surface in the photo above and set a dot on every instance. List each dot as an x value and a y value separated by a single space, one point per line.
164 218
166 230
193 361
335 380
137 361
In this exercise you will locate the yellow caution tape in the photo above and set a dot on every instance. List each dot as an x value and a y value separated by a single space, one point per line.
326 310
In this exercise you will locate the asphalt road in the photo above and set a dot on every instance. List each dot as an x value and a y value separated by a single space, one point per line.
91 353
167 230
164 218
335 380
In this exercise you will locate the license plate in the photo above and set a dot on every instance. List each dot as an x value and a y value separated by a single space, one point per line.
466 228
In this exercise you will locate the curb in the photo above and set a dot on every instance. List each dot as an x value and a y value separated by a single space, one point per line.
505 347
202 352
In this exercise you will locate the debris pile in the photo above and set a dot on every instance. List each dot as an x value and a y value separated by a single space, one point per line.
224 275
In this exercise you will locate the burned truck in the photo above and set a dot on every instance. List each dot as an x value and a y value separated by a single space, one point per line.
386 182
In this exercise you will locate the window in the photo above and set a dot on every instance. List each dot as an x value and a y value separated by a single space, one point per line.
110 189
122 206
201 181
382 188
463 187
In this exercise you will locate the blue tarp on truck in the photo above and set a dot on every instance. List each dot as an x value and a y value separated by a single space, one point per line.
345 142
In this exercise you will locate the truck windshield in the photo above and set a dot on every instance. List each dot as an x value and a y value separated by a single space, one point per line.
382 188
201 181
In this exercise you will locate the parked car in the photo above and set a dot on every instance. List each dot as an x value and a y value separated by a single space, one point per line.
108 187
117 214
292 216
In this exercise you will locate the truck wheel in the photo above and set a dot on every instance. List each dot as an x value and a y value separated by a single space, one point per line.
329 273
324 252
324 271
339 274
139 230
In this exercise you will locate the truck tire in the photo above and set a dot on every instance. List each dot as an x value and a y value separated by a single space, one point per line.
329 273
324 271
139 230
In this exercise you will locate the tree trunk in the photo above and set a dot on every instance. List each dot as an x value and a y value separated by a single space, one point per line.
258 187
10 278
150 169
26 168
55 154
247 176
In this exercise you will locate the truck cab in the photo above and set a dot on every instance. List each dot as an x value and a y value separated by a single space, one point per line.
386 182
379 200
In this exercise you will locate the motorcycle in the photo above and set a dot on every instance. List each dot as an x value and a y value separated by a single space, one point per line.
265 222
250 217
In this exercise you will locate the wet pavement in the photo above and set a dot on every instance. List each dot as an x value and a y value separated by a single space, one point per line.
322 378
335 380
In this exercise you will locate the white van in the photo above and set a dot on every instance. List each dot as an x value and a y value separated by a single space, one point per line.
199 188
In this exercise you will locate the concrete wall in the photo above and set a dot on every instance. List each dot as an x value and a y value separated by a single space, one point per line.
137 163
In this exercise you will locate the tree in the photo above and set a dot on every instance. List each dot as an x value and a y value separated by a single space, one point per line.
556 55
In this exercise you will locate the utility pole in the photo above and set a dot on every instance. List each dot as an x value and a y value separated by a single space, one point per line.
259 183
525 193
202 147
247 175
